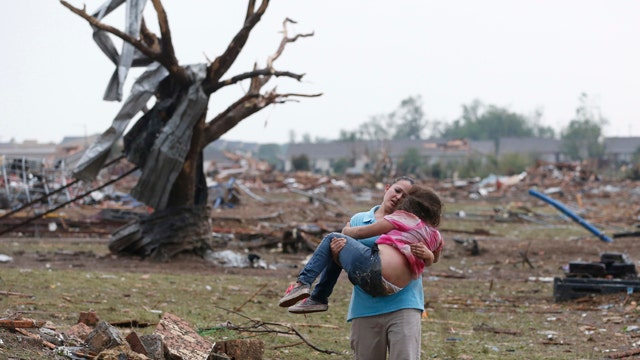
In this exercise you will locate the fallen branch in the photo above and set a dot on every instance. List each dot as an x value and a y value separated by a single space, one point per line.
37 337
10 293
485 327
288 345
239 307
326 326
623 354
525 256
242 219
265 327
319 198
445 322
19 323
447 275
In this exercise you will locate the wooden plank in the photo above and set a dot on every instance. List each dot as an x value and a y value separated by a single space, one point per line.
573 288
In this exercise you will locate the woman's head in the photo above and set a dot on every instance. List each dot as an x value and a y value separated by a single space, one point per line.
424 203
394 192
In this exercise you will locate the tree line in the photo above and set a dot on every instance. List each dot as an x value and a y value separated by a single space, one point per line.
581 139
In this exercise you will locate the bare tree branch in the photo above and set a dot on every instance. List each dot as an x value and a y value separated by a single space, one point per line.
242 109
253 101
168 51
149 38
236 112
223 62
284 41
169 62
259 326
254 74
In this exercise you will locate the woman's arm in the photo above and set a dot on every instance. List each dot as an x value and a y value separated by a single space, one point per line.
366 231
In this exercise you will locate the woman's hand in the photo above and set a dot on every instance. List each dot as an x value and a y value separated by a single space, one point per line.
421 251
436 255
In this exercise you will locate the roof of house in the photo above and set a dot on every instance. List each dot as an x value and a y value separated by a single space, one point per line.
621 145
529 145
394 148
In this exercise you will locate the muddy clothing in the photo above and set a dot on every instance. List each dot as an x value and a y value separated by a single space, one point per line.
409 229
361 263
363 304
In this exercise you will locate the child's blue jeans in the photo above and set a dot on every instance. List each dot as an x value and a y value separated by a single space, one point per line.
361 263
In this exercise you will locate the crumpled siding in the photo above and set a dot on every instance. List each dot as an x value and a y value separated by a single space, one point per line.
96 155
172 145
170 148
129 55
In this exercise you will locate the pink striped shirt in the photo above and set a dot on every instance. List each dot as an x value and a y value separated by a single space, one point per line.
409 229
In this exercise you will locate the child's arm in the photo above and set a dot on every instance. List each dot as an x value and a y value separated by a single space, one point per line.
366 231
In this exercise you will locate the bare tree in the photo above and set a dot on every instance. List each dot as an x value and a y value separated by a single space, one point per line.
167 141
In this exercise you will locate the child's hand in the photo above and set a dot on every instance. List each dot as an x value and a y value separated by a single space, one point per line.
336 245
420 251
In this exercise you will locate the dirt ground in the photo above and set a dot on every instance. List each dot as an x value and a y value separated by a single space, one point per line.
534 250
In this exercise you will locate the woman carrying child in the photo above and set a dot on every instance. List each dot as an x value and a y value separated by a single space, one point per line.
409 242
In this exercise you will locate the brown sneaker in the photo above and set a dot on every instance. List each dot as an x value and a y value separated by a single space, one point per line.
308 306
295 293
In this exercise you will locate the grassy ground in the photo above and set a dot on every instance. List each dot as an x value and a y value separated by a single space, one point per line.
490 306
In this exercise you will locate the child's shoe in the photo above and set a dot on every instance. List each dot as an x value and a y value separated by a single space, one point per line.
295 293
308 306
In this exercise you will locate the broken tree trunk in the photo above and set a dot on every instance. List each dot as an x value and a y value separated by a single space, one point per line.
165 233
176 230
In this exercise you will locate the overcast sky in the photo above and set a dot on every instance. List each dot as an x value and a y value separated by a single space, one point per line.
365 57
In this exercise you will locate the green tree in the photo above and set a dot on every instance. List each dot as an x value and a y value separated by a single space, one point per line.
292 136
540 131
271 153
377 128
341 165
513 163
306 138
409 120
410 162
633 172
301 163
346 135
582 138
406 122
636 156
490 124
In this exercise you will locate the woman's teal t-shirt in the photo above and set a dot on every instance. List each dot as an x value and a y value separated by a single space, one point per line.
363 304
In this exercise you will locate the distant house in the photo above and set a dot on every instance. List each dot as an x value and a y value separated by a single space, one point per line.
621 149
365 155
29 150
322 156
540 148
362 156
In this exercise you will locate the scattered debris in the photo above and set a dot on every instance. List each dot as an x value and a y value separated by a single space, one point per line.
487 328
614 273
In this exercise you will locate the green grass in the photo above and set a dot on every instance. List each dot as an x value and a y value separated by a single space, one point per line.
495 311
457 312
